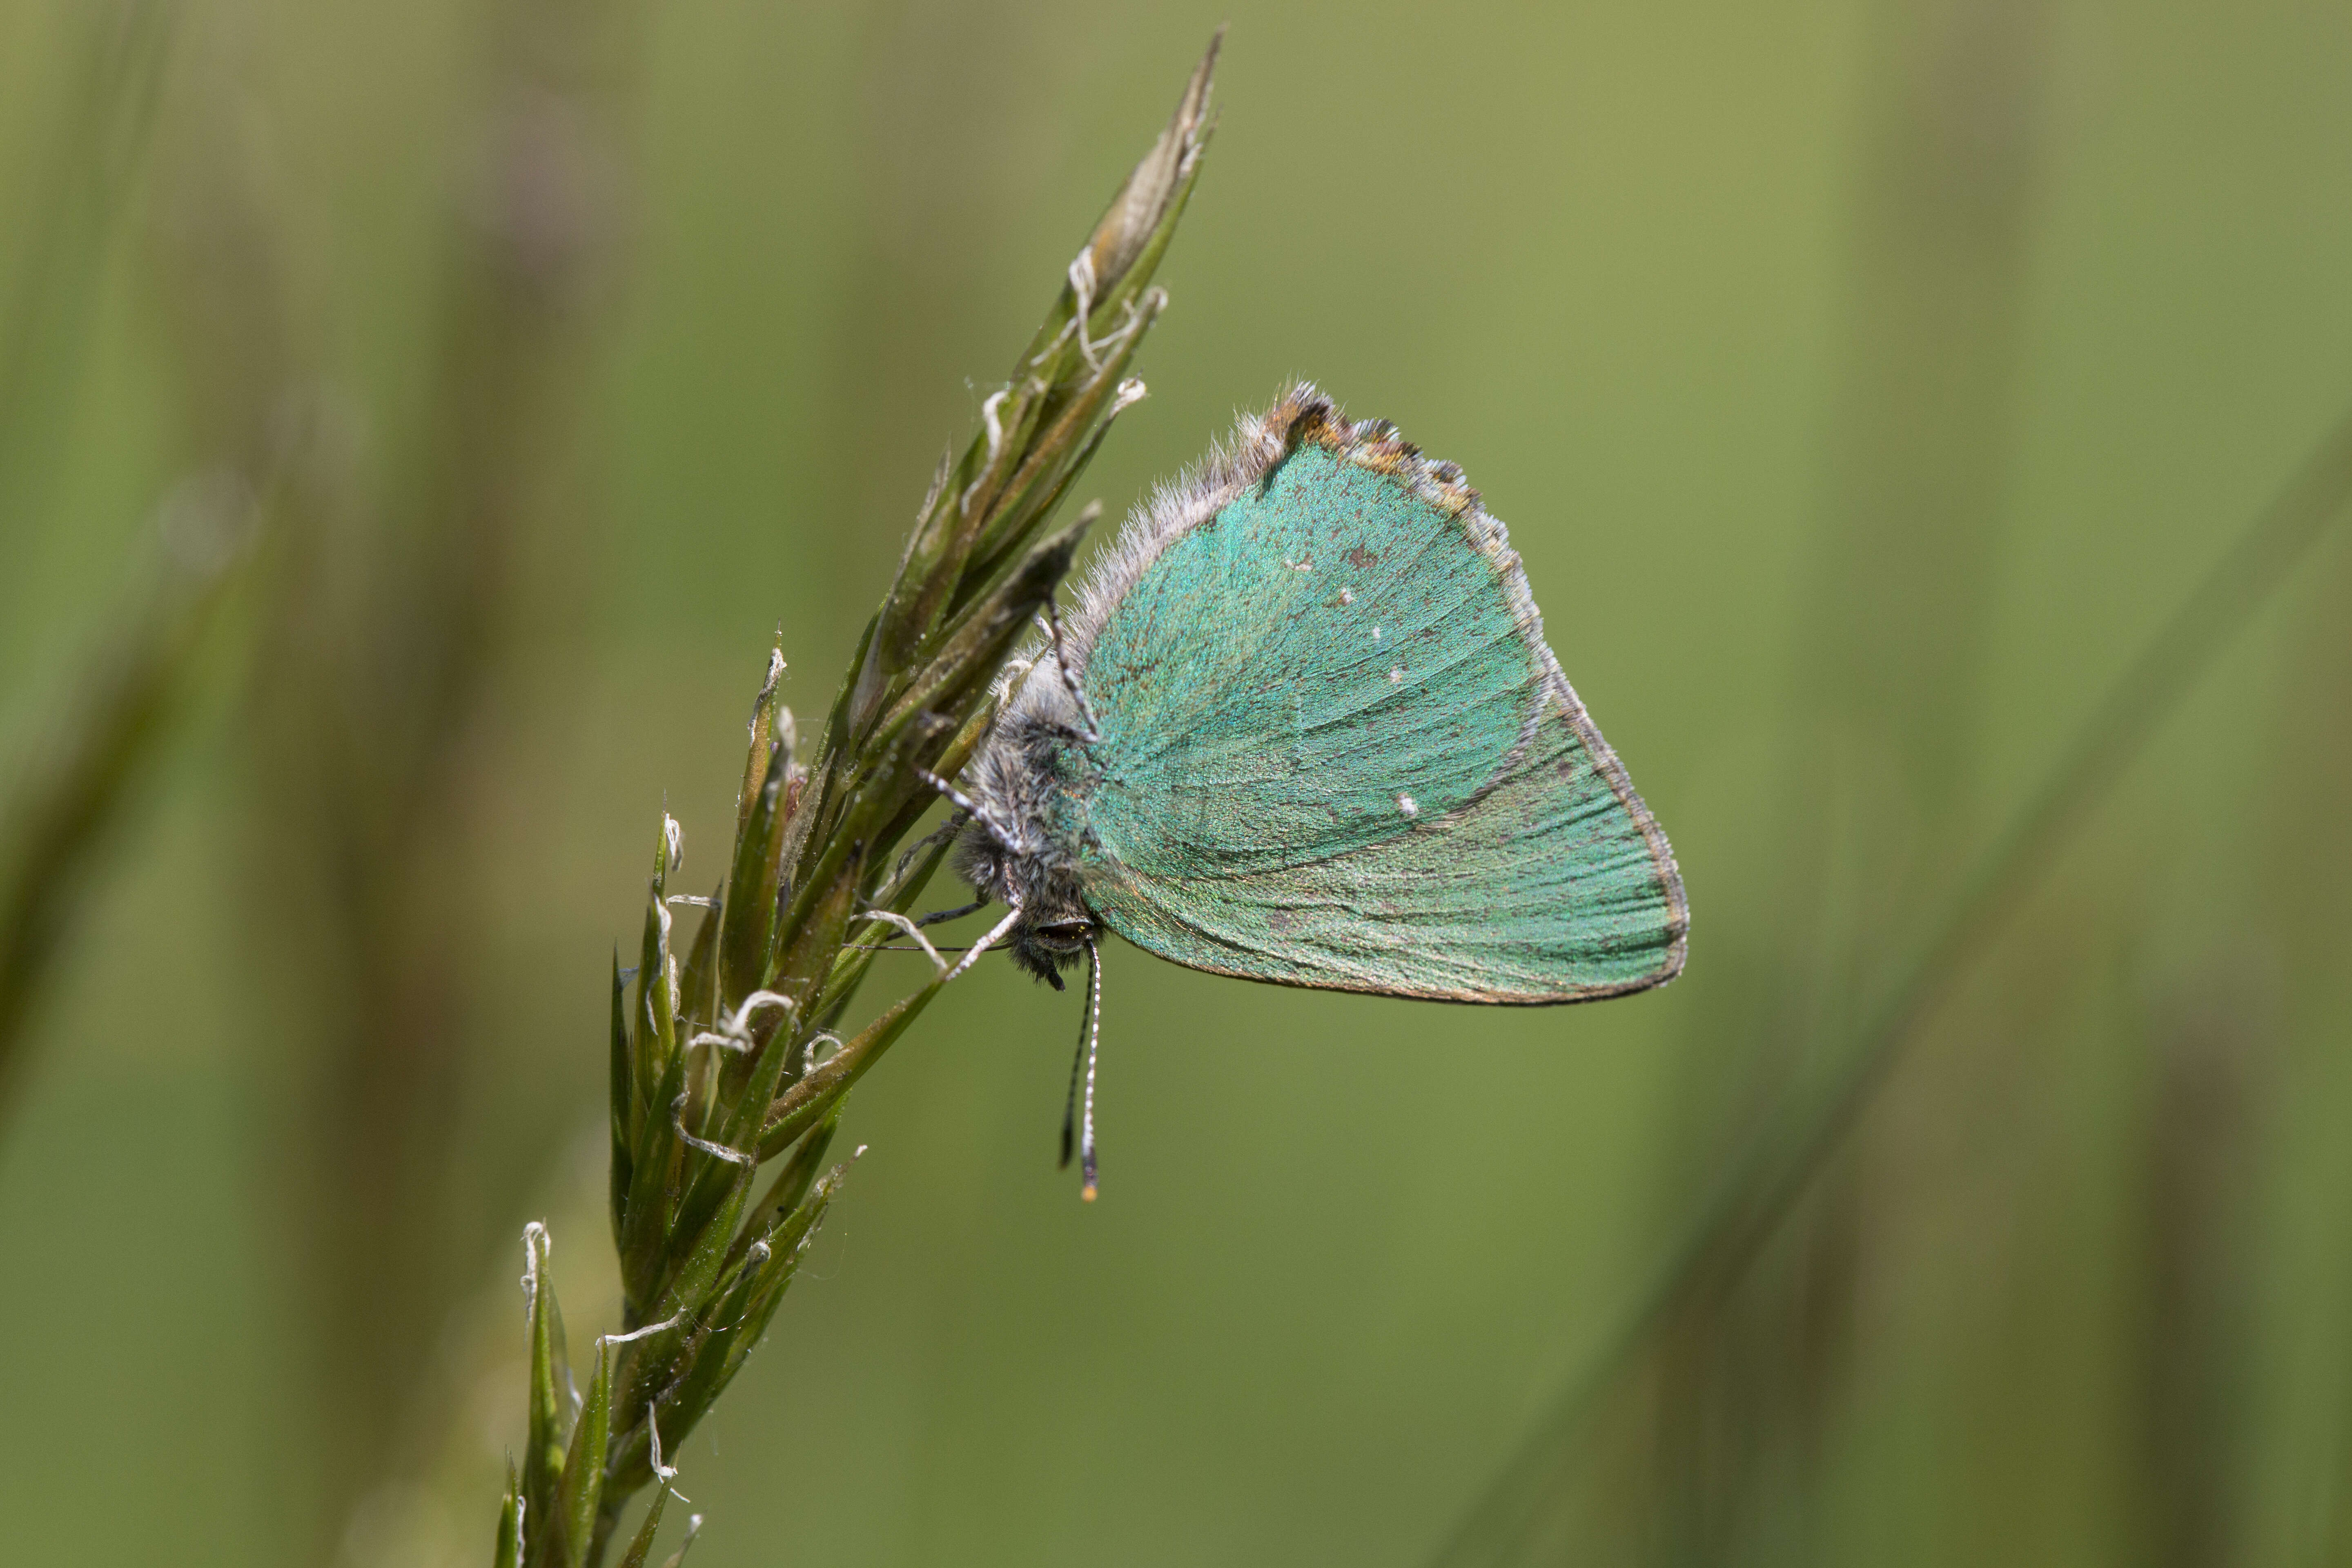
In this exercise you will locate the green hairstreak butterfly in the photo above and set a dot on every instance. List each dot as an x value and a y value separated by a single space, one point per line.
1302 726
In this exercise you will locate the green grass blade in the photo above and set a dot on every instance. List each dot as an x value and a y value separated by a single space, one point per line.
655 1021
693 1529
787 1247
550 1420
507 1550
641 1545
748 918
771 721
789 1190
652 1189
758 1290
809 950
622 1090
976 647
808 1100
582 1493
686 1296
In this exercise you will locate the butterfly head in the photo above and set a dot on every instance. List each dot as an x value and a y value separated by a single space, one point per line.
1055 924
1045 949
1019 847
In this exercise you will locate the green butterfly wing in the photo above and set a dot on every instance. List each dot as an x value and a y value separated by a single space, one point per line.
1334 750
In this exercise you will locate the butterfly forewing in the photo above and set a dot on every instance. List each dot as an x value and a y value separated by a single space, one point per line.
1336 751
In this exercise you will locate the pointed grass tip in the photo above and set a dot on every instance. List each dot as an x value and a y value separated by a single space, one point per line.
1136 213
536 1243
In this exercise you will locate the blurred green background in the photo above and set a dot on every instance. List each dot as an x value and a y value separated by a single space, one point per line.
1863 382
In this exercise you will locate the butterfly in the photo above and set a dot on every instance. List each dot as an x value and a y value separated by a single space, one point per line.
1302 726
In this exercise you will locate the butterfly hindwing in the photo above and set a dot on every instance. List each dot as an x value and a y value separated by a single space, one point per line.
1335 751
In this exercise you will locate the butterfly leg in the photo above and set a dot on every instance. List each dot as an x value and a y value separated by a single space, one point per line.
940 917
1006 840
943 833
972 954
1051 622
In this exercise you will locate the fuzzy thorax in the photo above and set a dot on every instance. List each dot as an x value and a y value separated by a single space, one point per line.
1022 847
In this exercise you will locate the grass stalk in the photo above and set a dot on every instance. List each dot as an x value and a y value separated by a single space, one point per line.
726 1056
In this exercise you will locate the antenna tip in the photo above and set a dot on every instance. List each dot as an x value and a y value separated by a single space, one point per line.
1087 1192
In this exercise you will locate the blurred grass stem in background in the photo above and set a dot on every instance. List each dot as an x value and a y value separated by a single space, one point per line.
65 796
390 627
1876 805
59 811
60 814
727 1054
1756 1192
